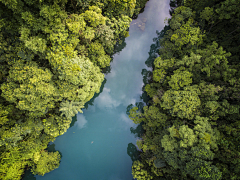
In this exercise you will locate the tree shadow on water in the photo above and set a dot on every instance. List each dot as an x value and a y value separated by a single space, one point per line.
138 131
133 152
91 102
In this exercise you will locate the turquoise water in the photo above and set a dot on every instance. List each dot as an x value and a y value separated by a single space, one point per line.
95 147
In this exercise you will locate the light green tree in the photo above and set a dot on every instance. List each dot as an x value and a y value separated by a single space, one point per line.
81 86
44 65
135 115
98 56
94 16
105 35
45 162
153 117
182 103
118 7
192 150
12 165
56 125
139 172
160 68
180 78
30 87
70 109
76 23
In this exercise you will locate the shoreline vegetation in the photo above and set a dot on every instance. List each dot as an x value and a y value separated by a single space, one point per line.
52 58
190 126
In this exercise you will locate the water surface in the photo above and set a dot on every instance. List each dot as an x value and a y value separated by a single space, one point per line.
95 148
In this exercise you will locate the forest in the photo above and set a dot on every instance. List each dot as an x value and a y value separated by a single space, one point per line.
52 57
53 54
190 126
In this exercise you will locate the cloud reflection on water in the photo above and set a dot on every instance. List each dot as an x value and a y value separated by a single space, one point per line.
125 118
81 121
105 100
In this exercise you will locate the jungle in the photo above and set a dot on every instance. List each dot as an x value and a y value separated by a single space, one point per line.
189 127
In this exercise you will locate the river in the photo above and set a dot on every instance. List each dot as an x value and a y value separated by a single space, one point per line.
95 147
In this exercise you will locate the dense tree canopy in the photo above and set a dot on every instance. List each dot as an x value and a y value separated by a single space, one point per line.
52 55
191 118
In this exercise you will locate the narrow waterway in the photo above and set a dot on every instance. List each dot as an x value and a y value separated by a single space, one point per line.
95 148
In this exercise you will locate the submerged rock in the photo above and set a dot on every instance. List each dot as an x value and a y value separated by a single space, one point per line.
142 26
144 20
141 23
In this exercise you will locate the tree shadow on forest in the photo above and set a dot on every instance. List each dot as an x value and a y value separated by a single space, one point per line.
133 152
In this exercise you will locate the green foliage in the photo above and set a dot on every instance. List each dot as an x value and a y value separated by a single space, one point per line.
94 17
181 14
192 161
118 7
150 89
182 103
89 33
45 162
85 72
120 25
211 56
51 53
98 56
29 87
153 117
55 125
187 34
82 86
202 170
187 135
135 115
194 88
169 143
184 32
139 172
191 149
207 13
11 164
4 111
133 152
228 10
180 78
190 61
228 154
142 146
212 106
10 136
76 23
160 68
207 136
70 109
